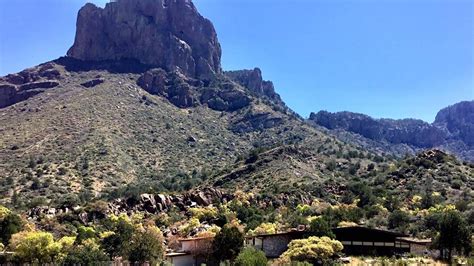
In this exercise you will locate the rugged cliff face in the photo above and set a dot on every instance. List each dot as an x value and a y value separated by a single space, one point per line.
452 130
169 34
458 119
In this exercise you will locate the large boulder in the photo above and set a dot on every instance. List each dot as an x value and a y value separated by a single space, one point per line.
160 33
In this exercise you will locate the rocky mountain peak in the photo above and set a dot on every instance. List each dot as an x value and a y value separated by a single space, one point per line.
169 34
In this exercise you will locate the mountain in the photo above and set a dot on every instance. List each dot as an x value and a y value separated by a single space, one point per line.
118 111
452 131
140 104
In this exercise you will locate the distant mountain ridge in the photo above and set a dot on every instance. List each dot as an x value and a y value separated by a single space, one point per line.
452 130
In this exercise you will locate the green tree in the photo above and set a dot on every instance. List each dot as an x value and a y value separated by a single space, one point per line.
147 246
398 220
321 227
117 243
454 234
39 247
228 243
88 252
9 225
251 257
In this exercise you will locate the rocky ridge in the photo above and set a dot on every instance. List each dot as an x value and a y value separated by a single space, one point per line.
452 130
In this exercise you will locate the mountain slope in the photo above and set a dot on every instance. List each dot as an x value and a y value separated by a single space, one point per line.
99 127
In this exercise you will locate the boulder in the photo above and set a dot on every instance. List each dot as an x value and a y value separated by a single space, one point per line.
201 199
148 203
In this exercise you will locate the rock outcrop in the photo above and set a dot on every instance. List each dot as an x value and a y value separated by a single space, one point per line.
174 86
252 79
458 119
185 92
168 34
18 87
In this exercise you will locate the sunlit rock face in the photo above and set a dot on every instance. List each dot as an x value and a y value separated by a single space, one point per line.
169 34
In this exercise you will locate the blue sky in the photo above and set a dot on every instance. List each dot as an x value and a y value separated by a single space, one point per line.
385 58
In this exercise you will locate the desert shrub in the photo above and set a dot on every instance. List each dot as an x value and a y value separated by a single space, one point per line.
398 220
204 213
456 184
331 165
264 228
313 249
251 257
320 227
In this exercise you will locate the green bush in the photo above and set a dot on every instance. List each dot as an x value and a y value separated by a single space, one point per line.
251 257
398 220
321 227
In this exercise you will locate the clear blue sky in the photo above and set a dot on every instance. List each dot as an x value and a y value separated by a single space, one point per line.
385 58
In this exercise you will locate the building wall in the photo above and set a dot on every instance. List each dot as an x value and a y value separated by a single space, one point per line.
419 249
274 246
185 260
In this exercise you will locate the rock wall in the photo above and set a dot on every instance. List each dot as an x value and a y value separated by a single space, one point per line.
168 34
252 80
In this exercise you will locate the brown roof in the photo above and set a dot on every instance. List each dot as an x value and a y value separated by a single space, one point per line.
278 234
376 230
195 238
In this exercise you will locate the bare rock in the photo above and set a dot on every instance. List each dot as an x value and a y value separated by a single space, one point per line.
252 80
174 86
39 85
167 34
92 83
7 95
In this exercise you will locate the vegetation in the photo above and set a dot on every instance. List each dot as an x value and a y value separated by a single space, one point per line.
313 249
86 253
228 243
454 234
10 223
321 227
40 247
251 257
147 245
